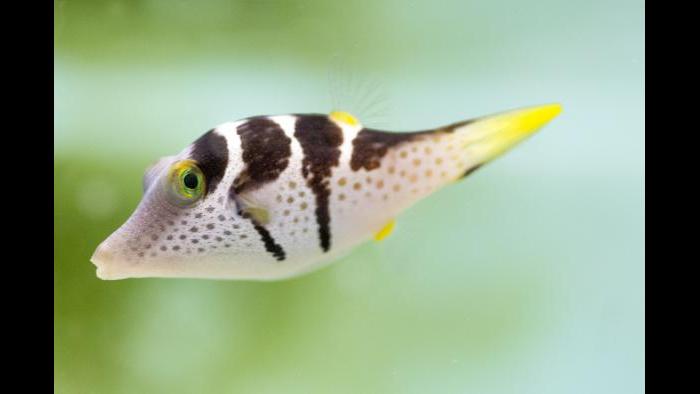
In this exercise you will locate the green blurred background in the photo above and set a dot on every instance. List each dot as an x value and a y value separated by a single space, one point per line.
528 277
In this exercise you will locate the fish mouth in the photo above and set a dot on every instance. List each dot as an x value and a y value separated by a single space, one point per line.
105 260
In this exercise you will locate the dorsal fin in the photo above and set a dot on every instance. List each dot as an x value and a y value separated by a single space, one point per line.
344 117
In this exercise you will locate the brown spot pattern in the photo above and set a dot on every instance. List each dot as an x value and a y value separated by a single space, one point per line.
370 146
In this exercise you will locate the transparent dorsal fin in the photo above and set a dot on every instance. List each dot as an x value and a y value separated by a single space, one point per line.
358 91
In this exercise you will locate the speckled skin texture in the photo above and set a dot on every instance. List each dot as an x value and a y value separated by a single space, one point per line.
321 197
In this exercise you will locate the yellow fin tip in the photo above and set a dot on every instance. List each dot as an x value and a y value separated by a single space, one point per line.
344 117
385 231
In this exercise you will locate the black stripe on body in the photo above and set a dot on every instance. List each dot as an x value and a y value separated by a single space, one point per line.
270 244
370 146
469 171
320 140
265 151
210 152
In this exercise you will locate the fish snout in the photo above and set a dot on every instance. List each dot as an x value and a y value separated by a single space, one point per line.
106 261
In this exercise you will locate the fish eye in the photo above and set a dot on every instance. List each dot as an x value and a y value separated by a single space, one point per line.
186 182
190 180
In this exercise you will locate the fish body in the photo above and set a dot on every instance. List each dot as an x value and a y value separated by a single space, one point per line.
273 197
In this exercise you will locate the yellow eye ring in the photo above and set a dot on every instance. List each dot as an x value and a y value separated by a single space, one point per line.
187 181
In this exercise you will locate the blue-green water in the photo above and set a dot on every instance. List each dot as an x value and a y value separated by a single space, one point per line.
526 277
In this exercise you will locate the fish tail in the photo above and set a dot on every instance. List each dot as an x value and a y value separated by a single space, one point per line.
473 143
415 164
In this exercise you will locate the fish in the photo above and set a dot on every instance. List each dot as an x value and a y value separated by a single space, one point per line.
275 197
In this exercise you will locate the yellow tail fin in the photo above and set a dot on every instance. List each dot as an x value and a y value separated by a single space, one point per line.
483 139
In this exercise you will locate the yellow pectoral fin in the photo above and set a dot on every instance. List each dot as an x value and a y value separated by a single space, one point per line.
259 213
385 231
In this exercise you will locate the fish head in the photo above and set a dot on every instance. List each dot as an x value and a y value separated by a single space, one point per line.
185 222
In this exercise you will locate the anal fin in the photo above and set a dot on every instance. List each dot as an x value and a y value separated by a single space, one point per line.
385 231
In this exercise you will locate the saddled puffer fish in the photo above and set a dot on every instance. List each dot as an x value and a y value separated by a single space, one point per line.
273 197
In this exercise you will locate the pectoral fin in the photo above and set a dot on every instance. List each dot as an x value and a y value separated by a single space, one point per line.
252 209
